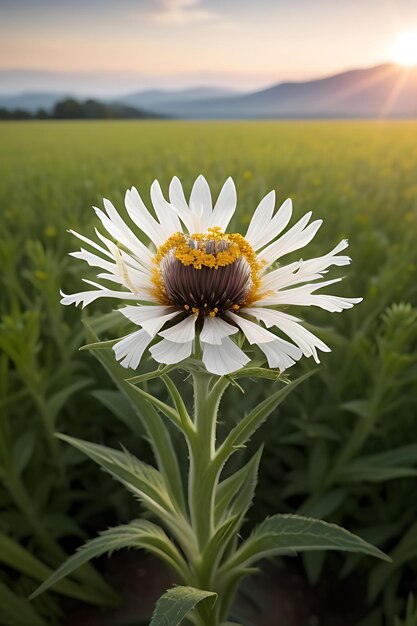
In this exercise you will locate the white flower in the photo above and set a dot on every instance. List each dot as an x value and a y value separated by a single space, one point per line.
197 283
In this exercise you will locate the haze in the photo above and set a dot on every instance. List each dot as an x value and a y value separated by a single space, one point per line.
103 47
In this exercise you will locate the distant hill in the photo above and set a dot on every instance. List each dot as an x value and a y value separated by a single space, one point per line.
387 91
161 99
383 91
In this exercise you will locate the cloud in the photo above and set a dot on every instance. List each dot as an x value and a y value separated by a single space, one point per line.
181 12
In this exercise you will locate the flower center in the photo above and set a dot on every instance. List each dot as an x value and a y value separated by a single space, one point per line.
206 273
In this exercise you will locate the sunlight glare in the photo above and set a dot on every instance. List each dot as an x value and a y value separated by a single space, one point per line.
404 49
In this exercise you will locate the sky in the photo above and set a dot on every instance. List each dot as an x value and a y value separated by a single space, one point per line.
105 47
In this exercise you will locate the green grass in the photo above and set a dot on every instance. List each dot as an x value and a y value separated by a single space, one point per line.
359 176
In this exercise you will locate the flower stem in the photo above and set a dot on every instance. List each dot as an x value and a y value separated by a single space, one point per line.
201 480
203 476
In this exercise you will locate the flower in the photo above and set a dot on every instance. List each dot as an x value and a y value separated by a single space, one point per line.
196 284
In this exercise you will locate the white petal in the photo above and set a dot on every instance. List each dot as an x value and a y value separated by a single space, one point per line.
280 353
150 317
87 297
225 206
268 316
176 196
264 231
117 228
290 325
142 313
166 215
225 358
183 332
304 296
200 201
278 222
169 352
130 349
334 304
112 278
215 330
141 258
303 271
253 332
90 242
261 218
93 260
297 237
140 215
136 281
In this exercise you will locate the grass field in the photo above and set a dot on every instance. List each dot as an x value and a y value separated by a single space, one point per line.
361 177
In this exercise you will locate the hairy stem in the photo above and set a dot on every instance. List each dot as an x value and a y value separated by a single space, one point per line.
201 480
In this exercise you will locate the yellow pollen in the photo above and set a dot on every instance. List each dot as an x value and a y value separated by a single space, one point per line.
187 307
195 310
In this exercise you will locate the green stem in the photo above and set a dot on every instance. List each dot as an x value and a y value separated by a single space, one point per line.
201 483
203 477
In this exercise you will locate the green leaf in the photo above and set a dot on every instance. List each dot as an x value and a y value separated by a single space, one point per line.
161 371
326 505
396 457
23 450
258 372
143 480
282 533
20 559
99 345
177 603
316 430
137 534
358 472
58 400
404 552
158 434
382 466
186 421
119 405
218 543
167 410
17 611
235 493
357 407
247 426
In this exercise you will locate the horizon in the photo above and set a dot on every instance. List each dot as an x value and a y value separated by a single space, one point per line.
186 87
102 49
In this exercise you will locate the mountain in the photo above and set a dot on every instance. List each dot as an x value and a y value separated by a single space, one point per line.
165 98
386 90
383 91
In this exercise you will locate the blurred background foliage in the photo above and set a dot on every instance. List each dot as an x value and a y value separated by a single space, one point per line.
343 447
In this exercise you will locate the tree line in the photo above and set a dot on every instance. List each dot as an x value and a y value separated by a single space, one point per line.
71 109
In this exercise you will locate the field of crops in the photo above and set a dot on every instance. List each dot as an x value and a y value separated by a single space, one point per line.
343 447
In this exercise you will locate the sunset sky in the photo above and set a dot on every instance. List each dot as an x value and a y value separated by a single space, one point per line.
100 47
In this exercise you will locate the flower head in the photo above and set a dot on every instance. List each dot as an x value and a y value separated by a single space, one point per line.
195 282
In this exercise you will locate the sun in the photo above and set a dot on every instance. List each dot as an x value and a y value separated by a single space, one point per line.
404 49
